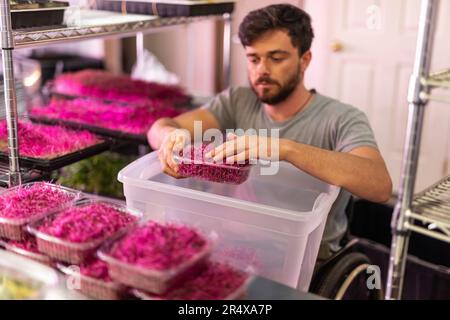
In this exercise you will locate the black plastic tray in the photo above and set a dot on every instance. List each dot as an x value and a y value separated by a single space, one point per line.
43 16
140 139
162 9
59 162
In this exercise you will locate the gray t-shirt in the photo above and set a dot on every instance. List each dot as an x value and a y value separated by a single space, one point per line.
325 123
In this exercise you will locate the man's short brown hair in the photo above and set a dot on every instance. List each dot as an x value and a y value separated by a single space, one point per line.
278 17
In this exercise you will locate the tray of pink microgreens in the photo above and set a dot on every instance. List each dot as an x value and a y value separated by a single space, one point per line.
155 257
155 261
73 234
108 251
216 281
112 119
192 162
112 105
170 261
23 204
104 85
47 147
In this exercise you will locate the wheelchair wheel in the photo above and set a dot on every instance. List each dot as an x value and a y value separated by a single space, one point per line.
347 277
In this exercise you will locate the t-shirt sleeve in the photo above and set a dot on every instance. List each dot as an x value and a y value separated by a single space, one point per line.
222 108
354 131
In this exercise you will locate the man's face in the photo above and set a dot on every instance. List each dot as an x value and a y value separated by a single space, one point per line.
274 66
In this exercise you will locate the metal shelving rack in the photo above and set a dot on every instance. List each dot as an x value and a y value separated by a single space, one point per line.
432 207
429 212
99 24
86 24
29 175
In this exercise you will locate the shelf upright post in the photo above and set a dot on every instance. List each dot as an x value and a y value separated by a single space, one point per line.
416 103
7 42
227 38
140 51
140 47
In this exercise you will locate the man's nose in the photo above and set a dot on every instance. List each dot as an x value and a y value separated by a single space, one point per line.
263 68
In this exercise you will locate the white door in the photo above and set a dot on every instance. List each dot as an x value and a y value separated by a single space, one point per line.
364 53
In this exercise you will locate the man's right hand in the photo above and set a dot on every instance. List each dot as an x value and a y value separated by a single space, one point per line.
170 135
174 141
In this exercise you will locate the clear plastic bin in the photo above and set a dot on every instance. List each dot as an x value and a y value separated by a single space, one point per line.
76 252
276 220
14 229
36 256
94 288
151 280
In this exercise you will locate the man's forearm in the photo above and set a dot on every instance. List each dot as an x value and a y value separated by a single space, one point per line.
160 130
361 176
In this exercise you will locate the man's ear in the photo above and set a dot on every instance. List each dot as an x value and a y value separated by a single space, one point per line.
305 60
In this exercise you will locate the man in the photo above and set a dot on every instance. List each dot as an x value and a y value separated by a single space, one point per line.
319 135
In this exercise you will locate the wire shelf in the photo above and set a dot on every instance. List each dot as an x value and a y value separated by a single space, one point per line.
88 24
437 80
27 175
432 209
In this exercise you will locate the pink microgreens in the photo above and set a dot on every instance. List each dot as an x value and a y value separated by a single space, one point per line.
46 142
28 201
134 119
105 85
86 223
217 281
96 269
194 164
159 247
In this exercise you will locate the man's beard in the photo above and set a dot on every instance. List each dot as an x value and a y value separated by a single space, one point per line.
284 92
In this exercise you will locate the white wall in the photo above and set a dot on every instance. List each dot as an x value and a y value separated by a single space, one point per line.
372 73
86 48
189 51
316 75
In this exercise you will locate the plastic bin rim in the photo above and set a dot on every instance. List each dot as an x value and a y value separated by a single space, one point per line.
239 204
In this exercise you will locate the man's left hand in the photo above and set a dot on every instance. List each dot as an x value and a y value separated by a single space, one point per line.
238 149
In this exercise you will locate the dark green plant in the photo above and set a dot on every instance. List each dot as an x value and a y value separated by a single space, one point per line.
97 175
